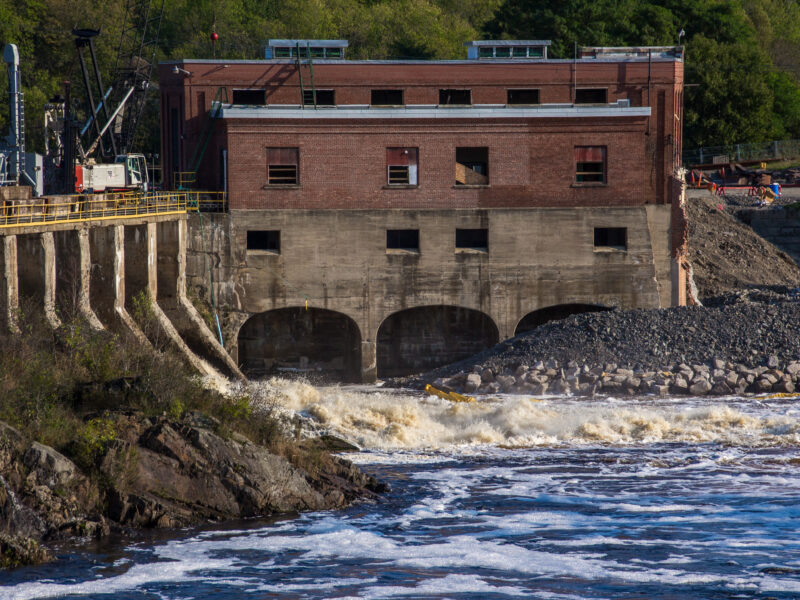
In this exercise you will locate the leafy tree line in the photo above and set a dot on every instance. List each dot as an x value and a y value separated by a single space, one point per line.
743 56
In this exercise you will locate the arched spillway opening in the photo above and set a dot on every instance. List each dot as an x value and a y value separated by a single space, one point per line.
553 313
423 338
321 343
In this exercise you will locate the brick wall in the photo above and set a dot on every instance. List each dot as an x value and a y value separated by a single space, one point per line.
531 163
658 85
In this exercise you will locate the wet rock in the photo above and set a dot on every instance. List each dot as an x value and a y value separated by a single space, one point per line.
700 387
773 362
507 382
784 386
487 376
472 383
16 551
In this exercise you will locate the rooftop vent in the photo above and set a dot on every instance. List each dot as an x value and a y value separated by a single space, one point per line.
305 48
507 49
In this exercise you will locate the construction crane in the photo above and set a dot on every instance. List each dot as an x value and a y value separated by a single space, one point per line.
115 111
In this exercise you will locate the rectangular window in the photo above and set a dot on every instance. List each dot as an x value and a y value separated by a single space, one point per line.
485 52
590 164
472 239
402 239
472 166
269 241
251 97
462 97
535 52
502 52
519 52
386 98
283 52
591 96
611 237
401 166
324 98
282 166
523 96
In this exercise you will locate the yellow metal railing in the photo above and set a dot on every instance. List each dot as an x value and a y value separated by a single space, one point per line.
183 180
84 208
206 201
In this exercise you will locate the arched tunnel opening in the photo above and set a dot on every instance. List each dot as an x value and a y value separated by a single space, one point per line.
322 344
423 338
554 313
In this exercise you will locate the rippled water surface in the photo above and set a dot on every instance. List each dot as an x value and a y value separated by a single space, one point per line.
503 498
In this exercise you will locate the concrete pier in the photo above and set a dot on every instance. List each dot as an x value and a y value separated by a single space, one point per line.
100 271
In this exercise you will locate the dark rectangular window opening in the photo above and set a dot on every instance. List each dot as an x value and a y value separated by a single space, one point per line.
282 166
590 164
523 96
386 98
402 239
324 97
251 97
462 97
472 166
269 241
611 237
591 96
472 239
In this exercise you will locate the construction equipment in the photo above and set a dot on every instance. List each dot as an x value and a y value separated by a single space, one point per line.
17 167
114 112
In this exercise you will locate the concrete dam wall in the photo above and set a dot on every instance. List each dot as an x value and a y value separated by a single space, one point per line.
405 290
97 270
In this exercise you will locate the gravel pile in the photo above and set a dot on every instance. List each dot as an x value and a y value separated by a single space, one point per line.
746 341
727 254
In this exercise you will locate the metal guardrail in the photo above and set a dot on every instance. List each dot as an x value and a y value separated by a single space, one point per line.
766 151
87 208
199 200
206 201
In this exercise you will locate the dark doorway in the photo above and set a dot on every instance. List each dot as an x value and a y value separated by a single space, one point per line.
322 344
419 339
553 313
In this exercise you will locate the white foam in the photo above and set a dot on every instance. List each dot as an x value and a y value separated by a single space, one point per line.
395 419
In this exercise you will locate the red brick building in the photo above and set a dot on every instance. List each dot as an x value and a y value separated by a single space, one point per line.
389 143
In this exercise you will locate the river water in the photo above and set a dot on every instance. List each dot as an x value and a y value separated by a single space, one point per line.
505 498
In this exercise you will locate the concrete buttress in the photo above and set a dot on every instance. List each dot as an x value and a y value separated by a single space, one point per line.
11 283
49 254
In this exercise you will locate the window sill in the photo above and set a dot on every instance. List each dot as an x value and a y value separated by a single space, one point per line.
610 250
402 251
484 251
470 186
401 186
280 186
263 252
589 185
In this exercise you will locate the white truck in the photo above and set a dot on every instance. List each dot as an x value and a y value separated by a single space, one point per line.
128 172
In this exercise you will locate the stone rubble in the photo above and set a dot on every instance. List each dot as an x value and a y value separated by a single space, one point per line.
747 342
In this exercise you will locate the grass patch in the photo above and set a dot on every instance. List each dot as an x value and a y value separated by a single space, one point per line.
62 387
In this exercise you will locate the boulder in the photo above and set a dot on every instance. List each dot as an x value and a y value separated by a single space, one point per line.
700 387
472 383
48 467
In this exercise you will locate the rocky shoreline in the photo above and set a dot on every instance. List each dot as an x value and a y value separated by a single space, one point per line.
161 473
745 342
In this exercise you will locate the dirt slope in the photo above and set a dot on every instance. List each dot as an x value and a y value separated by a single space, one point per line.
727 255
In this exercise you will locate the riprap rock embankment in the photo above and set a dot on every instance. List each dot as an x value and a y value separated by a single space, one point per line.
743 342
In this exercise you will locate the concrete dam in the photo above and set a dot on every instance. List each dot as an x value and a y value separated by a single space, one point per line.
94 255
